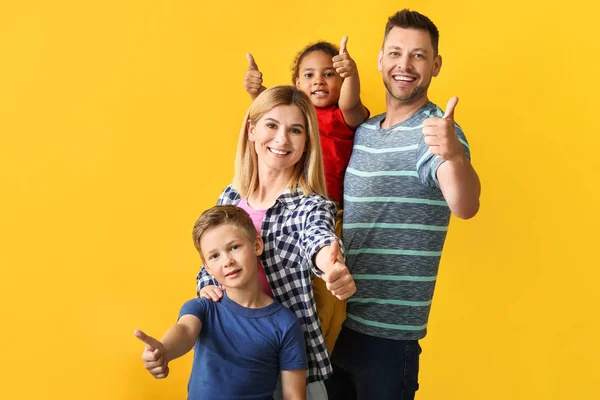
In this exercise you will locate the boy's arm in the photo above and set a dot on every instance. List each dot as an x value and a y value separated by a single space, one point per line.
176 342
293 384
353 110
253 79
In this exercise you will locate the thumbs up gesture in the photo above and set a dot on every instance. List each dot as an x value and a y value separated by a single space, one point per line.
440 134
253 79
344 64
337 277
154 357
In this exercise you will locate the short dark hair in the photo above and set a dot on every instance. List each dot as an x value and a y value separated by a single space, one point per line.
221 215
407 19
326 47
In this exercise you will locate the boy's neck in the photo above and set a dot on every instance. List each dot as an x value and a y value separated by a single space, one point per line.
249 297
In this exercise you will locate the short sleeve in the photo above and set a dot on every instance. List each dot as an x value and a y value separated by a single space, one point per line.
428 164
196 307
292 354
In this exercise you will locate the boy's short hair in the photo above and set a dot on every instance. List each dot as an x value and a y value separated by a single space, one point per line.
220 215
407 19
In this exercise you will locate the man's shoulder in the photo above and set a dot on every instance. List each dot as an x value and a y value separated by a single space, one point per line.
372 123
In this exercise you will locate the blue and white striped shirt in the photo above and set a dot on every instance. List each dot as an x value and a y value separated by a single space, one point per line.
395 224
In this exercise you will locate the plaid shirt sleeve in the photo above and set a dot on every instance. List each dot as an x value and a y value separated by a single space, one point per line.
228 196
319 231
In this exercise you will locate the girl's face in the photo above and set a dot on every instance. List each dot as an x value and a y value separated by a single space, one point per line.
279 138
318 79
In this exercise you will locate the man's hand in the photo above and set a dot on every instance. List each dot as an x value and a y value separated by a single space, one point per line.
440 135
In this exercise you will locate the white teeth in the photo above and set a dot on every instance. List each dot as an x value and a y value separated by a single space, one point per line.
319 92
403 78
281 153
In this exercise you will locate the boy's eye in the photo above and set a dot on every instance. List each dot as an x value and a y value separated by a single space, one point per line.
235 246
213 256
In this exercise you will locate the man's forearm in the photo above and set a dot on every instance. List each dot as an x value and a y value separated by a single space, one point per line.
461 187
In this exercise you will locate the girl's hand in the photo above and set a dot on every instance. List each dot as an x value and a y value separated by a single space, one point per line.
253 79
344 64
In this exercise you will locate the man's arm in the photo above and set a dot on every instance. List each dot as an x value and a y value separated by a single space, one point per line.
457 179
293 384
460 186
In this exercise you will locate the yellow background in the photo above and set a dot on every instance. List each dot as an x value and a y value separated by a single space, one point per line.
118 123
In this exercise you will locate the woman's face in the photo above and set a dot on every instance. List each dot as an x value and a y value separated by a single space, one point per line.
280 138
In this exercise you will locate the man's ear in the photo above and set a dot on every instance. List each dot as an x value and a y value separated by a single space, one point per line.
379 66
259 245
437 65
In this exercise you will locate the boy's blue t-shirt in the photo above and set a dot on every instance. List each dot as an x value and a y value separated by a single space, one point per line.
240 350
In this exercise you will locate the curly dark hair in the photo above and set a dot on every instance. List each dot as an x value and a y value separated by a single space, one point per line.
326 47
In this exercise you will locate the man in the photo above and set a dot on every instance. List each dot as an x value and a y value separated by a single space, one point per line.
410 169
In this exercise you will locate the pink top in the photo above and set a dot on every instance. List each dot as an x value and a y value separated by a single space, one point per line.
257 217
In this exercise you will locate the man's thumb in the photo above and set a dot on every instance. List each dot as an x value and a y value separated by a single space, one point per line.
450 108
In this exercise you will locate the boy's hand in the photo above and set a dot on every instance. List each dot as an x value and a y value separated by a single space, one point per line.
440 134
344 64
154 357
338 280
211 292
253 79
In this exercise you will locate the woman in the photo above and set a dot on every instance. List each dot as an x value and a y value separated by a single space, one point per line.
279 180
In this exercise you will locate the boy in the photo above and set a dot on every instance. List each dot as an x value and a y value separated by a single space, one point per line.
243 342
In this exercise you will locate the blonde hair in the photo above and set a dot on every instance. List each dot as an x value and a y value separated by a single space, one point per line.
221 215
308 171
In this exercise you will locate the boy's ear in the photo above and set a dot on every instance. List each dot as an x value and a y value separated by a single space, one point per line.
206 267
259 245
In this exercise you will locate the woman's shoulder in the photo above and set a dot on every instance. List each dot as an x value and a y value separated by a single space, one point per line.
229 195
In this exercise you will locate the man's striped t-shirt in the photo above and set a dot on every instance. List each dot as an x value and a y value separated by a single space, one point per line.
394 227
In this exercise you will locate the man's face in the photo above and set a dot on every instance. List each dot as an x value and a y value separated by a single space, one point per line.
407 63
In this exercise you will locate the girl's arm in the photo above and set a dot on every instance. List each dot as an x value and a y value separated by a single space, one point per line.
353 110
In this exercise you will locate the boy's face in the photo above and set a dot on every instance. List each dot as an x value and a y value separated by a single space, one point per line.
230 256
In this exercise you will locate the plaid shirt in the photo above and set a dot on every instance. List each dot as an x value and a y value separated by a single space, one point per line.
293 230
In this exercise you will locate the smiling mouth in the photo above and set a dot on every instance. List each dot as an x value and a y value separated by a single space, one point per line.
403 78
320 92
233 272
279 152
